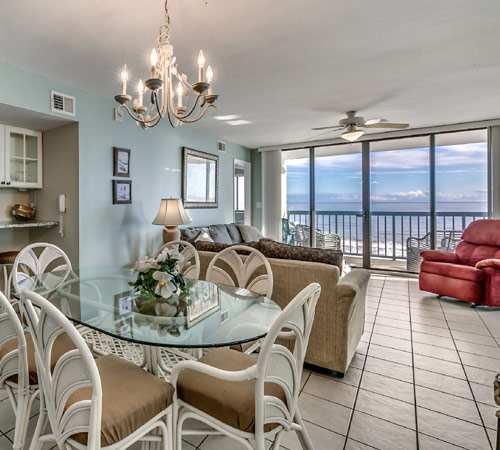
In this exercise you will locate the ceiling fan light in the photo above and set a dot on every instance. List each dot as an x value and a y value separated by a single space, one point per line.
352 135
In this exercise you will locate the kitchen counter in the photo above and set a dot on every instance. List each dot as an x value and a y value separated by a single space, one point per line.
9 224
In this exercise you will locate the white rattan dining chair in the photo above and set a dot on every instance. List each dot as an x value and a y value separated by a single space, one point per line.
190 264
246 398
14 369
41 259
232 268
35 260
107 403
252 272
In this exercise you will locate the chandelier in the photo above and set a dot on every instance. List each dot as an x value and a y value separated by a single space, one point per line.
186 103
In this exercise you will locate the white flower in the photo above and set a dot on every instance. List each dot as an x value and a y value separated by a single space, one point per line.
143 265
162 256
164 288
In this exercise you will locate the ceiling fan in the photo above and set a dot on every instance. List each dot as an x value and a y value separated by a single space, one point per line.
353 124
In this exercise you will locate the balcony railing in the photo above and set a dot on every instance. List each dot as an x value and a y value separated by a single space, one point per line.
389 230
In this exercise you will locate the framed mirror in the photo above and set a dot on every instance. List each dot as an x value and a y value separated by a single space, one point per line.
200 187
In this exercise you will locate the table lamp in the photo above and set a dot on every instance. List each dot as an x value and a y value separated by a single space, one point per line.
170 215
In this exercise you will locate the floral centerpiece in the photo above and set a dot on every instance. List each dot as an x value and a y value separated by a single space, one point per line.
160 279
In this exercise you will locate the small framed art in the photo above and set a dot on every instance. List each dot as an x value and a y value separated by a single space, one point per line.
121 162
122 192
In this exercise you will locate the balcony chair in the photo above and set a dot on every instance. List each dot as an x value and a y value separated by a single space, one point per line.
323 240
107 403
287 232
445 240
472 272
247 398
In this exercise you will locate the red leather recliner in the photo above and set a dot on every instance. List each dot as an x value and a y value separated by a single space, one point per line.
472 273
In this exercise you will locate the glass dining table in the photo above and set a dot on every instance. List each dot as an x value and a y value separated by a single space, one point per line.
114 317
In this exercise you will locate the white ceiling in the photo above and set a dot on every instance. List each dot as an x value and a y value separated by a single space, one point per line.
284 65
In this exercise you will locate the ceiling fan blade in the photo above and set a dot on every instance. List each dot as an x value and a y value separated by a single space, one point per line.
388 125
373 121
316 136
326 128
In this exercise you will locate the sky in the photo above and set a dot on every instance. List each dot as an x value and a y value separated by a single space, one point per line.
396 176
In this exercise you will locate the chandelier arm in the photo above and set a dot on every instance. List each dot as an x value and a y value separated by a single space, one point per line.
174 124
136 117
151 124
158 109
200 115
185 116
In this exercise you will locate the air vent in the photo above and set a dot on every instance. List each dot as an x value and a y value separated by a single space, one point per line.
62 103
221 146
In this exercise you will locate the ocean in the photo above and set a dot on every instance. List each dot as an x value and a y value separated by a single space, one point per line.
392 206
392 223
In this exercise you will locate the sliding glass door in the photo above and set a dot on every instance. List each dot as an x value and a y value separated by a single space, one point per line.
399 200
384 201
461 184
337 198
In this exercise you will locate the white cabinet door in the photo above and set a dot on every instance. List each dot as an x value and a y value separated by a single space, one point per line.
23 158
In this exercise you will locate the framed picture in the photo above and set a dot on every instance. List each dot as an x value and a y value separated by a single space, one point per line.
200 187
205 300
121 162
123 304
122 192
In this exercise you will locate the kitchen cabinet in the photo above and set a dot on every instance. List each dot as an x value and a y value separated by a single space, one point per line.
20 158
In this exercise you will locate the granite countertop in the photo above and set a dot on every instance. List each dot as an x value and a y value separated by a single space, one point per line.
7 224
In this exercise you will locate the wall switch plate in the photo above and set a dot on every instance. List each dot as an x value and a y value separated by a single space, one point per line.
117 115
224 315
258 205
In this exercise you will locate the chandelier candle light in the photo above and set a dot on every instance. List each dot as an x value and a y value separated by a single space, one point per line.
164 73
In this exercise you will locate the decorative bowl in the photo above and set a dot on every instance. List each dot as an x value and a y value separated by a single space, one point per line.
23 212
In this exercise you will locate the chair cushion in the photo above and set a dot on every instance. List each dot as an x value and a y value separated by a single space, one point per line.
228 401
130 398
471 254
62 345
453 271
483 232
8 257
219 234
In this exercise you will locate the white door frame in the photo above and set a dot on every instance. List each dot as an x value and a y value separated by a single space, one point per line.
247 174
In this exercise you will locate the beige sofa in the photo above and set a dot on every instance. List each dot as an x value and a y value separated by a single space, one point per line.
340 314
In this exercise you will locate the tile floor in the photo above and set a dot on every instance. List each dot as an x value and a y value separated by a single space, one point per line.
421 379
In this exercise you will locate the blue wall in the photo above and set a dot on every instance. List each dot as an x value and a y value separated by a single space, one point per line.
115 235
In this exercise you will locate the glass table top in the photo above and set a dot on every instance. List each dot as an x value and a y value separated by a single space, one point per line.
212 315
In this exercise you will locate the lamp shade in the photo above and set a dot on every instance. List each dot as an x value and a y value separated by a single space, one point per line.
171 212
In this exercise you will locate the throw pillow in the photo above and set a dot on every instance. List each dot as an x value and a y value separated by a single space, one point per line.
191 233
234 233
219 234
273 249
203 236
249 233
205 246
210 246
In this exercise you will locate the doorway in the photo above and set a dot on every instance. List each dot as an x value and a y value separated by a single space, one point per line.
242 192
